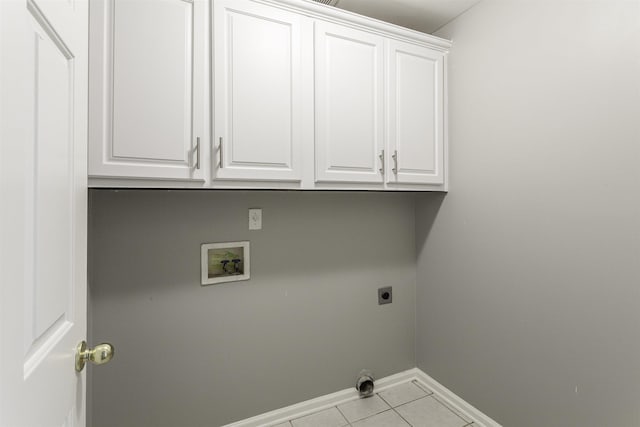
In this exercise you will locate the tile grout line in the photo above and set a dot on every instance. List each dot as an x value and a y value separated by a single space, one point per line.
469 421
368 416
382 412
433 396
414 382
423 388
455 411
400 415
385 400
373 415
343 416
406 403
411 401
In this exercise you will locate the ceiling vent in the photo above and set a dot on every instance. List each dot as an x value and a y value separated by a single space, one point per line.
327 2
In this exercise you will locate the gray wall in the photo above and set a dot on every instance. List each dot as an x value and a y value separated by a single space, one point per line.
303 326
529 271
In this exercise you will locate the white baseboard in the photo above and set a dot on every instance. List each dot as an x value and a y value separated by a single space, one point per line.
330 400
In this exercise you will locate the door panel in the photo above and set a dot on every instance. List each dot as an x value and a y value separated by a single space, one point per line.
257 92
349 104
416 120
43 186
52 169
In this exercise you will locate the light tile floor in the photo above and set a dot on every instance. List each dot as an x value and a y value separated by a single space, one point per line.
407 404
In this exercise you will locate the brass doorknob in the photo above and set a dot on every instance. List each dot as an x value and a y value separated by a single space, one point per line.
100 354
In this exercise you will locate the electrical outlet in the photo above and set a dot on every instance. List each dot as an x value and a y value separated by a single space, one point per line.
385 295
255 219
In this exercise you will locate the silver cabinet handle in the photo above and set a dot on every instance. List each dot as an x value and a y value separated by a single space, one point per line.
221 157
395 162
198 153
381 157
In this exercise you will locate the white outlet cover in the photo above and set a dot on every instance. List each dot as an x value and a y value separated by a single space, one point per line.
255 219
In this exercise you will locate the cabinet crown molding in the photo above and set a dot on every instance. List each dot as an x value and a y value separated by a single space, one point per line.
315 10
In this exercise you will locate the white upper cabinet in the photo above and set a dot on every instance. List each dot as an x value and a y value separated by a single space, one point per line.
349 102
264 94
415 114
146 94
257 92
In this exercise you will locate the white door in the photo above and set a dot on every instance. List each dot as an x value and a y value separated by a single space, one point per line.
43 204
257 91
148 64
415 115
349 104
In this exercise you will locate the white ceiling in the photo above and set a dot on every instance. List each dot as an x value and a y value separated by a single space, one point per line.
422 15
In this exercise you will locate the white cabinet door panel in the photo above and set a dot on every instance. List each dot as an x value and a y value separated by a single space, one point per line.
144 112
416 120
258 96
349 104
152 74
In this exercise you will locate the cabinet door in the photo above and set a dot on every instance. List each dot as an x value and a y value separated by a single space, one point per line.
415 114
257 92
146 97
349 104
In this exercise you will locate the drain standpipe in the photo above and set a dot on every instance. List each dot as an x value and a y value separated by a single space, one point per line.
364 384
